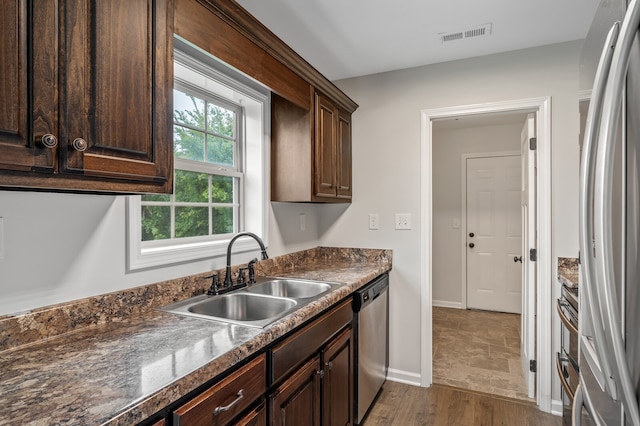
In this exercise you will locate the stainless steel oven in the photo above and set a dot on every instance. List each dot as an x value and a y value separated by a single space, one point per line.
567 358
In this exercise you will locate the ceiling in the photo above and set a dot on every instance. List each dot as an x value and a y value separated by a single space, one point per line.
349 38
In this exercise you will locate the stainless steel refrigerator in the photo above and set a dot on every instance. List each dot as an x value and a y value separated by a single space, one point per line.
609 309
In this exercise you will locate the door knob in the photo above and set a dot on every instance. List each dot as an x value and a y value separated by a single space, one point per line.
471 245
517 259
471 234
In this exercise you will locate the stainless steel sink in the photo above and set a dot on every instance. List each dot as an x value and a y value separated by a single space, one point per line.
242 307
287 287
254 310
258 305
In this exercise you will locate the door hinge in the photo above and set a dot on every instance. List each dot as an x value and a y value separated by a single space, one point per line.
533 255
533 144
533 366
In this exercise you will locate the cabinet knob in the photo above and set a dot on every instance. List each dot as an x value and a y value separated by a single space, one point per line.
329 365
49 141
471 245
320 373
79 144
471 234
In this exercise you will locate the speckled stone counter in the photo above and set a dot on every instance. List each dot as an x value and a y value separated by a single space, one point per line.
568 272
115 359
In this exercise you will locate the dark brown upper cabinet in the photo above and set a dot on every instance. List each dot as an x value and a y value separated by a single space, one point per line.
310 134
86 95
332 151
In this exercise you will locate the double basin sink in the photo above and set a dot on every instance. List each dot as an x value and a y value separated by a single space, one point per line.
257 305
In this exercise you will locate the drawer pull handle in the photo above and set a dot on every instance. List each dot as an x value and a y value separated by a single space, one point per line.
219 410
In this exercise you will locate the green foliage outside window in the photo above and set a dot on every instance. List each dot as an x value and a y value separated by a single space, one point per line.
208 137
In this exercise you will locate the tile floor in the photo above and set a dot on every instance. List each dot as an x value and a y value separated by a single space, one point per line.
478 350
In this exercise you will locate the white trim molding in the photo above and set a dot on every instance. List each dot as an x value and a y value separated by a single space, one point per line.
447 304
542 107
401 376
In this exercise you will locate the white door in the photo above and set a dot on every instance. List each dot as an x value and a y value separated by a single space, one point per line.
528 319
494 228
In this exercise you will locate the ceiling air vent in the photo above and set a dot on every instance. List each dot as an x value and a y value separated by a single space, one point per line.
483 30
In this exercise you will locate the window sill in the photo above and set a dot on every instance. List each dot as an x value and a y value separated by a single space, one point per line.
140 258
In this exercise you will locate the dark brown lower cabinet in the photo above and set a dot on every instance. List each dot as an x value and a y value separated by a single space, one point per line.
297 400
319 392
337 381
313 373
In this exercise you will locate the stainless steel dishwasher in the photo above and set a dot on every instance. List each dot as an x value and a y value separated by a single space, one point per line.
371 322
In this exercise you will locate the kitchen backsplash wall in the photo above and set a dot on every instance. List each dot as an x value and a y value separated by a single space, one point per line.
62 247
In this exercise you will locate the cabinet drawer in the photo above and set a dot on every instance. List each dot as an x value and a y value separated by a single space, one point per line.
225 400
301 345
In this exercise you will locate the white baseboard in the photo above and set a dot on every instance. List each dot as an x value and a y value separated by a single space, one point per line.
447 304
556 407
405 377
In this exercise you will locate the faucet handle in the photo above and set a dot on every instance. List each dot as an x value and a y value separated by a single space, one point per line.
213 290
241 276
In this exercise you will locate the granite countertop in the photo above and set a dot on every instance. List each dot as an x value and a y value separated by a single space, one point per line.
116 359
568 271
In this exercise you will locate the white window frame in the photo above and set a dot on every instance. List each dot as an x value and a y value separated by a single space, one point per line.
253 159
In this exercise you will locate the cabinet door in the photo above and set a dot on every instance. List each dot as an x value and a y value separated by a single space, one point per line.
337 383
297 400
118 99
28 86
343 142
325 156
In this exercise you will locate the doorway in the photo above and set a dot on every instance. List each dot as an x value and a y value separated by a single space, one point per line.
541 108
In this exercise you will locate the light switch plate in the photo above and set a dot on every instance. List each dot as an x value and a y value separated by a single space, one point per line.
374 221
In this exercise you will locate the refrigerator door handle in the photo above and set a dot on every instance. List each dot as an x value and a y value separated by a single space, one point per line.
602 370
603 200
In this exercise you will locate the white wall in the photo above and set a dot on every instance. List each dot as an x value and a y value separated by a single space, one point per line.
386 170
449 145
61 247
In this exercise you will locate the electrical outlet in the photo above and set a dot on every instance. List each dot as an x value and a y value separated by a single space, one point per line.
403 221
374 221
456 223
303 222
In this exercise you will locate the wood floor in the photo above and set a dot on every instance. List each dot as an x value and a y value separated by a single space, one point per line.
405 405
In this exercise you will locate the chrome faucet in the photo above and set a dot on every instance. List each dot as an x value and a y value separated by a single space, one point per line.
228 281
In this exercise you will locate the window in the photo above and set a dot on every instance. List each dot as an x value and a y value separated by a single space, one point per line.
220 137
208 176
